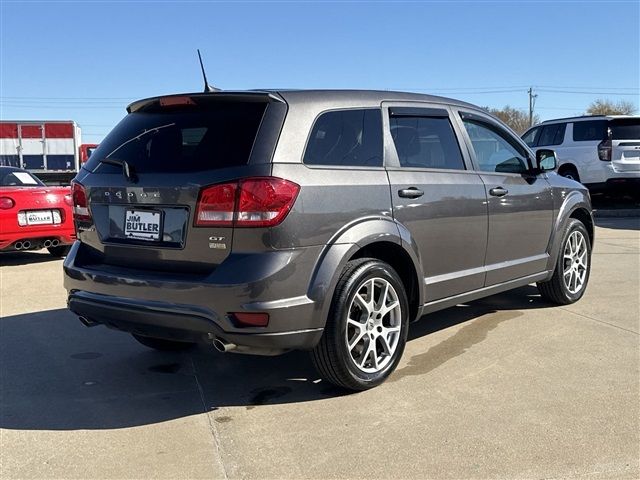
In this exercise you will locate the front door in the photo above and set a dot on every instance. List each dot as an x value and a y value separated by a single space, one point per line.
520 202
437 197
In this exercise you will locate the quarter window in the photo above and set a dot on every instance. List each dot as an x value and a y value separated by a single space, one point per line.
589 130
426 142
494 153
346 138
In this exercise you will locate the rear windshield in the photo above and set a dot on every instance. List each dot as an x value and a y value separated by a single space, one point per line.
625 129
18 178
182 138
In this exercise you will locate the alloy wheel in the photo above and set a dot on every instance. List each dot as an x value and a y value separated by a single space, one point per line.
373 325
575 262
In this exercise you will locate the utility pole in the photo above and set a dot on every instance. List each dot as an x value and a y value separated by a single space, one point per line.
532 102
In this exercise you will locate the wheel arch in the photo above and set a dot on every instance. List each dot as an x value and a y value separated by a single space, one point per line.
377 238
568 165
398 258
576 205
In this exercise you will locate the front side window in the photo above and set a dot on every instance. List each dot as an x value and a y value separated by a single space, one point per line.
552 134
589 130
531 138
426 142
346 138
494 153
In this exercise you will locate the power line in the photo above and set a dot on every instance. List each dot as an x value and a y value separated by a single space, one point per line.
587 93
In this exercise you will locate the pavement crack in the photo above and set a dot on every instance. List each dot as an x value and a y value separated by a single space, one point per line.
212 427
599 321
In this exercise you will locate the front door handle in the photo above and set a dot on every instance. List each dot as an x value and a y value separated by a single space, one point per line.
411 192
498 192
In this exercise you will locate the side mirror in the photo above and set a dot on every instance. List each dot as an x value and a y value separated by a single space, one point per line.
546 160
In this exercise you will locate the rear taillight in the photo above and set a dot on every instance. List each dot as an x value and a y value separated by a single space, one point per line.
80 205
6 203
216 205
604 150
251 202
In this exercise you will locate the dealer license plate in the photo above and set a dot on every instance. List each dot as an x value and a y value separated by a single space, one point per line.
39 217
143 225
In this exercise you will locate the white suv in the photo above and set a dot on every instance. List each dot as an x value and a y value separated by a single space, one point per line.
598 151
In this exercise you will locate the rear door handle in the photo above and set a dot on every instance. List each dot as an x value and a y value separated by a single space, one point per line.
498 192
411 192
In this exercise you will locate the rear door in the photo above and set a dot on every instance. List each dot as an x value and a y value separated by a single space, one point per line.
520 202
173 147
32 146
625 143
437 197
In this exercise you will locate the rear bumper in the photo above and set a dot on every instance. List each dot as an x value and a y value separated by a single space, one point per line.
37 237
167 321
188 309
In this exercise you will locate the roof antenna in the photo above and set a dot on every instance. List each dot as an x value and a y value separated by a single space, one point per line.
207 88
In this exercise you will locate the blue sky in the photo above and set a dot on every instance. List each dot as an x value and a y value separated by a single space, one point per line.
85 61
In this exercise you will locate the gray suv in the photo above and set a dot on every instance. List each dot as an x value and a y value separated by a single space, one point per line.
265 221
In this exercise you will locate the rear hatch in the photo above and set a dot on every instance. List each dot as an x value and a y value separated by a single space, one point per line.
143 183
625 142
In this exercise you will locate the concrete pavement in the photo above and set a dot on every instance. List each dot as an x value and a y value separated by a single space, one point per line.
505 387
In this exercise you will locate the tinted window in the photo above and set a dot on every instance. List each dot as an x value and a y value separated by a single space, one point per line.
346 137
552 134
625 129
183 138
589 130
494 152
18 178
426 142
531 137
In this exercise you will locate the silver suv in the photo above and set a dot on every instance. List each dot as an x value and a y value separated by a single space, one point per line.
264 221
599 151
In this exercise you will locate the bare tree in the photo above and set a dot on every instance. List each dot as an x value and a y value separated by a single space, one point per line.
517 119
608 107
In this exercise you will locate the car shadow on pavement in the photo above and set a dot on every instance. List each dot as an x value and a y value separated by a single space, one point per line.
620 223
56 374
26 258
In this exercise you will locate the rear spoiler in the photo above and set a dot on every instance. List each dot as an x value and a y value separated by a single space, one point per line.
243 96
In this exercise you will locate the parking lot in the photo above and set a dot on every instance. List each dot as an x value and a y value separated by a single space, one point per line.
505 387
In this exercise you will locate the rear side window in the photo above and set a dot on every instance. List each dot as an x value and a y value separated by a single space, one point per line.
346 138
552 134
625 129
426 142
185 138
589 130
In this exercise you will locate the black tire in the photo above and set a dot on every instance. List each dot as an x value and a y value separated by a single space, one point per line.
569 171
162 344
332 357
59 251
555 290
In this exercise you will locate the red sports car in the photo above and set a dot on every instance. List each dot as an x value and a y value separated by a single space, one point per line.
33 215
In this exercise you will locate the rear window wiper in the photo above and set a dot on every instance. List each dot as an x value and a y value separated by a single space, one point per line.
153 130
127 169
